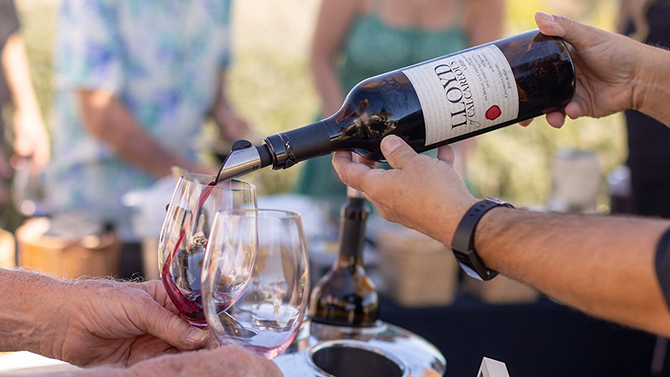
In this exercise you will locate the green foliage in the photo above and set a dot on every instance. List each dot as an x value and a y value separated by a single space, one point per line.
38 29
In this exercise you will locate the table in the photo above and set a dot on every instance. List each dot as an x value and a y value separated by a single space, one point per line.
542 339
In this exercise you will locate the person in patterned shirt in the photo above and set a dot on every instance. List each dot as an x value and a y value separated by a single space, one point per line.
134 82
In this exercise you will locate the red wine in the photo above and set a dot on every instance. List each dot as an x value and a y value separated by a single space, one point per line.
189 304
345 296
430 104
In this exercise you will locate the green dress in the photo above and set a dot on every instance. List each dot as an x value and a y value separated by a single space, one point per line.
372 47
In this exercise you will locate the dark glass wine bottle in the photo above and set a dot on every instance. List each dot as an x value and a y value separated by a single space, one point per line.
430 104
345 296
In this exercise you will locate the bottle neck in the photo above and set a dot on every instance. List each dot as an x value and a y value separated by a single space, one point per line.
353 217
290 147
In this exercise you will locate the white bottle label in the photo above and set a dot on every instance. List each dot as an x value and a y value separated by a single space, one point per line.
465 93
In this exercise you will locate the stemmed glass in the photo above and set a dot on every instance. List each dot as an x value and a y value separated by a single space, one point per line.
184 236
271 305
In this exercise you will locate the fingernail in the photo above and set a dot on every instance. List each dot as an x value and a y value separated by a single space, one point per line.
546 16
390 143
198 336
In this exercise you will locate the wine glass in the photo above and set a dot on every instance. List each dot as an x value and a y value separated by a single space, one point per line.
183 239
267 315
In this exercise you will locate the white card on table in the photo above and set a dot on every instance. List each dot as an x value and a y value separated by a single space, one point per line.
492 368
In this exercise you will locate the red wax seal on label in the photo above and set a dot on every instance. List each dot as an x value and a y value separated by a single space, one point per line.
493 112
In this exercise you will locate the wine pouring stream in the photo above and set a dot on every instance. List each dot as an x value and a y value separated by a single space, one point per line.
184 236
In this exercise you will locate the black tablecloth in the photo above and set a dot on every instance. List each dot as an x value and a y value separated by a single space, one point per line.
541 339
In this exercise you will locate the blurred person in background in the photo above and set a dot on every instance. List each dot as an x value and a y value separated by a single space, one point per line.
135 80
30 137
648 21
354 40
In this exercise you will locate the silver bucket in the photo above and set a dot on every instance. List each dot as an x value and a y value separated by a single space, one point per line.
384 350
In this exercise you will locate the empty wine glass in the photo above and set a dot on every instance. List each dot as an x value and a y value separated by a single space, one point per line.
184 235
268 313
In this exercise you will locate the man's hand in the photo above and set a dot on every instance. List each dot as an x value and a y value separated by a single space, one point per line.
608 67
107 322
420 192
219 362
31 139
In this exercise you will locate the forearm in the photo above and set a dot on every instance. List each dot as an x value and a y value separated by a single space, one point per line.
31 304
109 121
656 84
328 85
603 266
486 21
15 63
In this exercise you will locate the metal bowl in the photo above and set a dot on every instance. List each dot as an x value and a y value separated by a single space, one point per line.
346 358
383 350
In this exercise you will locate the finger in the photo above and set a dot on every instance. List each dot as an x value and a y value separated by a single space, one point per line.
576 34
446 153
362 160
575 109
526 123
165 325
396 151
351 174
556 119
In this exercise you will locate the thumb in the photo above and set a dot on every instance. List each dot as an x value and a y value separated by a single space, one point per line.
446 153
396 151
576 34
165 325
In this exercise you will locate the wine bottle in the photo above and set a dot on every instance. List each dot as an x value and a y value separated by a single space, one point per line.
430 104
345 296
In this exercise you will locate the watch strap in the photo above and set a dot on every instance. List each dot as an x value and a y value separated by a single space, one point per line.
464 239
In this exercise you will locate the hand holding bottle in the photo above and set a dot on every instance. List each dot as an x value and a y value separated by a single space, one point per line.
612 71
421 192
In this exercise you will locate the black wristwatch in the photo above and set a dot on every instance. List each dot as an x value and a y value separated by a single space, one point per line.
463 244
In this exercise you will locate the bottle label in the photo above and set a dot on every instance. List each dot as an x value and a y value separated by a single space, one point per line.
464 93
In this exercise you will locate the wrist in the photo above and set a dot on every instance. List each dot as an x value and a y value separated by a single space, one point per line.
491 233
651 88
445 230
463 243
24 104
32 322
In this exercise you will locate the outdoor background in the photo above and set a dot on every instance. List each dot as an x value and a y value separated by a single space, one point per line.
271 86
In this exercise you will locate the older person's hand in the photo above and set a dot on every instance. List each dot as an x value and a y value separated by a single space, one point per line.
609 69
420 192
108 322
219 362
